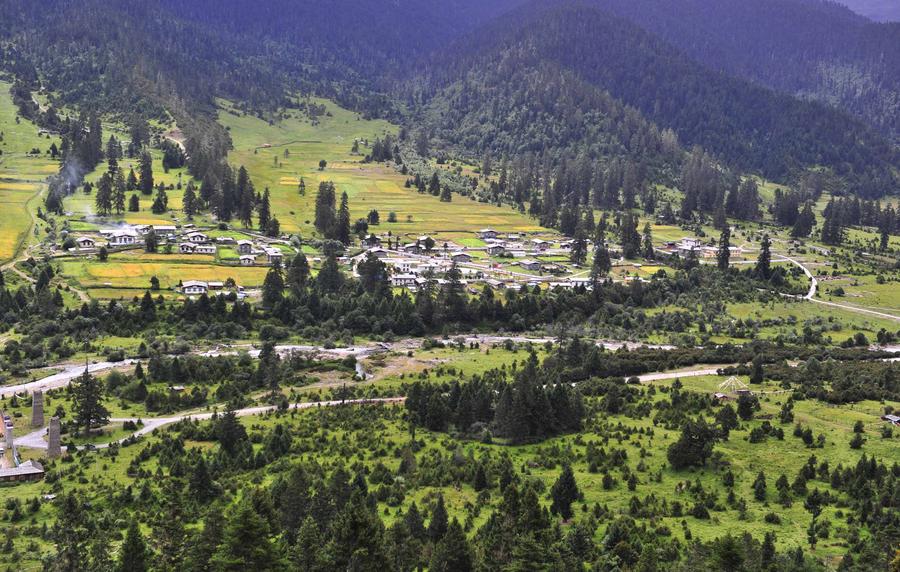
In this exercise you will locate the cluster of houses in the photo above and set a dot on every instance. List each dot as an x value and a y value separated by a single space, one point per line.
190 241
688 246
200 287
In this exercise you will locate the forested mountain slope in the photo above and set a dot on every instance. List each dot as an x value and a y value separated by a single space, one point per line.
805 47
510 85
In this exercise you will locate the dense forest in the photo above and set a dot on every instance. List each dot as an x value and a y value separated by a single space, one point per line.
555 76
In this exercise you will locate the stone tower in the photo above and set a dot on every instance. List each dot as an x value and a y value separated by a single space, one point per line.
37 409
54 450
8 435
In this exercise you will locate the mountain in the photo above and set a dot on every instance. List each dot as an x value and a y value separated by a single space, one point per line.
808 48
542 77
879 10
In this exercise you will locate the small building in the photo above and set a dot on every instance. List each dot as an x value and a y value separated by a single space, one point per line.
27 471
495 249
487 234
197 237
531 265
187 248
122 238
85 242
216 285
194 287
412 248
892 419
225 240
371 241
379 253
403 280
244 247
248 259
721 396
209 249
540 244
461 258
164 228
273 255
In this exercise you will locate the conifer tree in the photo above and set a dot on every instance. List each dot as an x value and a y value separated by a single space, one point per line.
564 493
723 255
133 556
87 401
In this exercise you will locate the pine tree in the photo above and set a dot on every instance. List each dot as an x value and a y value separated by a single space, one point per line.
648 242
452 553
87 401
134 204
564 493
104 197
437 526
161 201
245 542
342 224
189 201
264 211
298 274
145 169
325 213
273 286
133 556
119 192
763 269
723 255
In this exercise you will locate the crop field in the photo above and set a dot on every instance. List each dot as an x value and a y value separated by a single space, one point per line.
127 271
279 155
21 174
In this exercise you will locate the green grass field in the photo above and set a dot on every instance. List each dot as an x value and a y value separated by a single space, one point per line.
261 148
21 174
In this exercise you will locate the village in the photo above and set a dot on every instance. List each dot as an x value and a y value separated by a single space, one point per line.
490 258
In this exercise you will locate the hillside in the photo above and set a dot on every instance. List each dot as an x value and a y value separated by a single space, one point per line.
539 78
808 48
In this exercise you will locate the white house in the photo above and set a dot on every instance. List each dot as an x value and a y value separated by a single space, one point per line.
197 237
187 247
540 244
495 249
248 260
226 240
487 233
378 252
403 280
244 246
273 255
205 249
85 242
164 228
122 238
194 287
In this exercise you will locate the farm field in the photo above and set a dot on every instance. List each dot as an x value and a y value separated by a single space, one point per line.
280 154
21 174
129 271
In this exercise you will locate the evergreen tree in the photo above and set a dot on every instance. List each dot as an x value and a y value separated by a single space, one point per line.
151 241
564 493
298 274
87 402
342 224
723 255
648 251
133 556
264 210
119 190
189 201
759 487
273 286
763 269
452 553
694 446
161 201
437 526
578 253
145 169
134 204
104 197
325 213
246 544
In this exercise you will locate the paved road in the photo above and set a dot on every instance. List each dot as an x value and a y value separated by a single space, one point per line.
811 296
35 439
